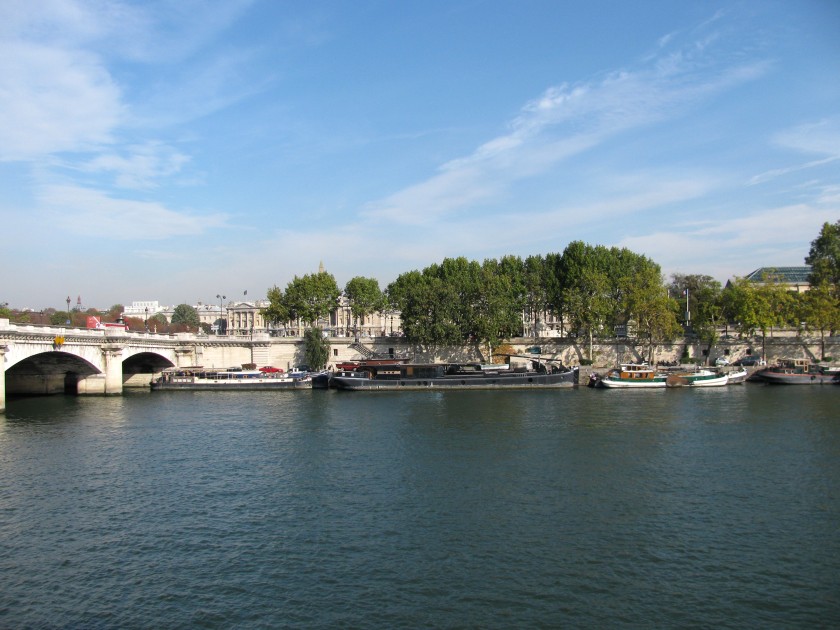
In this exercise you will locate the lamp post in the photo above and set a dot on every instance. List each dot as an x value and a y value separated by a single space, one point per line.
68 310
221 319
687 311
147 319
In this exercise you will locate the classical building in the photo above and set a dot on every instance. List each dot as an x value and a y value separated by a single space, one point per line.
245 318
143 309
210 314
379 324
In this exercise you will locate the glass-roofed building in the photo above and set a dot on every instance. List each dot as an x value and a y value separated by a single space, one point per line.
796 278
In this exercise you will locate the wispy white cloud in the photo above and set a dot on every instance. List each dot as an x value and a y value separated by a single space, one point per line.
54 100
566 121
819 138
92 213
58 88
726 247
139 166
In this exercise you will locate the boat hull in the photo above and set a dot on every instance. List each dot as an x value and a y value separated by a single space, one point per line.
780 378
618 383
706 379
357 381
630 380
737 377
237 385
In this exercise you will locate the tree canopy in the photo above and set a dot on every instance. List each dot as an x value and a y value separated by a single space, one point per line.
824 256
316 348
365 296
309 298
185 315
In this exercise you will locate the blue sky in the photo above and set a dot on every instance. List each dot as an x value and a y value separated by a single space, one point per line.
174 151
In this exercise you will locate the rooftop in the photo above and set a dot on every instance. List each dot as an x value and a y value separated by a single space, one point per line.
787 275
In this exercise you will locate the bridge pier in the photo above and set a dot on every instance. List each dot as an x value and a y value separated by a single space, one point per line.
186 356
3 350
112 360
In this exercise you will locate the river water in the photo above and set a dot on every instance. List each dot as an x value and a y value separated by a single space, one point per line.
570 508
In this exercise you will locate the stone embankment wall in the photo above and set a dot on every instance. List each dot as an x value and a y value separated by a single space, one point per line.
289 352
611 352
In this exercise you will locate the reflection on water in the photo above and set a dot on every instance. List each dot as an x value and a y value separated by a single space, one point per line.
714 507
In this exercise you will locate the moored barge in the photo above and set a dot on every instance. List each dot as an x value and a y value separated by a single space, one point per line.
453 376
199 378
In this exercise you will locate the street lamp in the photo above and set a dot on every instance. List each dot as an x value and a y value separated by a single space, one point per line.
221 320
68 310
147 319
687 311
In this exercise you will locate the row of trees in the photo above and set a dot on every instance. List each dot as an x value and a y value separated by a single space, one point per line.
590 290
184 318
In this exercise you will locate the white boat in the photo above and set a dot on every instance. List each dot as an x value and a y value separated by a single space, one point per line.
631 376
199 378
643 376
738 375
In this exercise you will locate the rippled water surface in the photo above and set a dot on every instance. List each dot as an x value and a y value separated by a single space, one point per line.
578 508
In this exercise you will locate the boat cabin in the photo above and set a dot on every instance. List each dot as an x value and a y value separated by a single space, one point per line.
635 371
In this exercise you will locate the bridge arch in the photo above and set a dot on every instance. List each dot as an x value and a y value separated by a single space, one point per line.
139 369
53 372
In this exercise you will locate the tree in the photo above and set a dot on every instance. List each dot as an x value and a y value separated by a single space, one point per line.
648 304
277 311
704 303
757 306
316 348
185 315
585 298
312 297
820 309
114 313
426 307
365 297
158 323
824 256
534 280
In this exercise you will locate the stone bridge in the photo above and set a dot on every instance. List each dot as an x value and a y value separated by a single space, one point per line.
51 360
48 360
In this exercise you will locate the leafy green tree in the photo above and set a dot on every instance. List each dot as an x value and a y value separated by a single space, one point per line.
4 311
820 309
186 316
824 256
647 303
365 297
586 297
277 312
460 301
498 303
704 303
316 348
757 307
312 297
535 284
60 318
425 303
